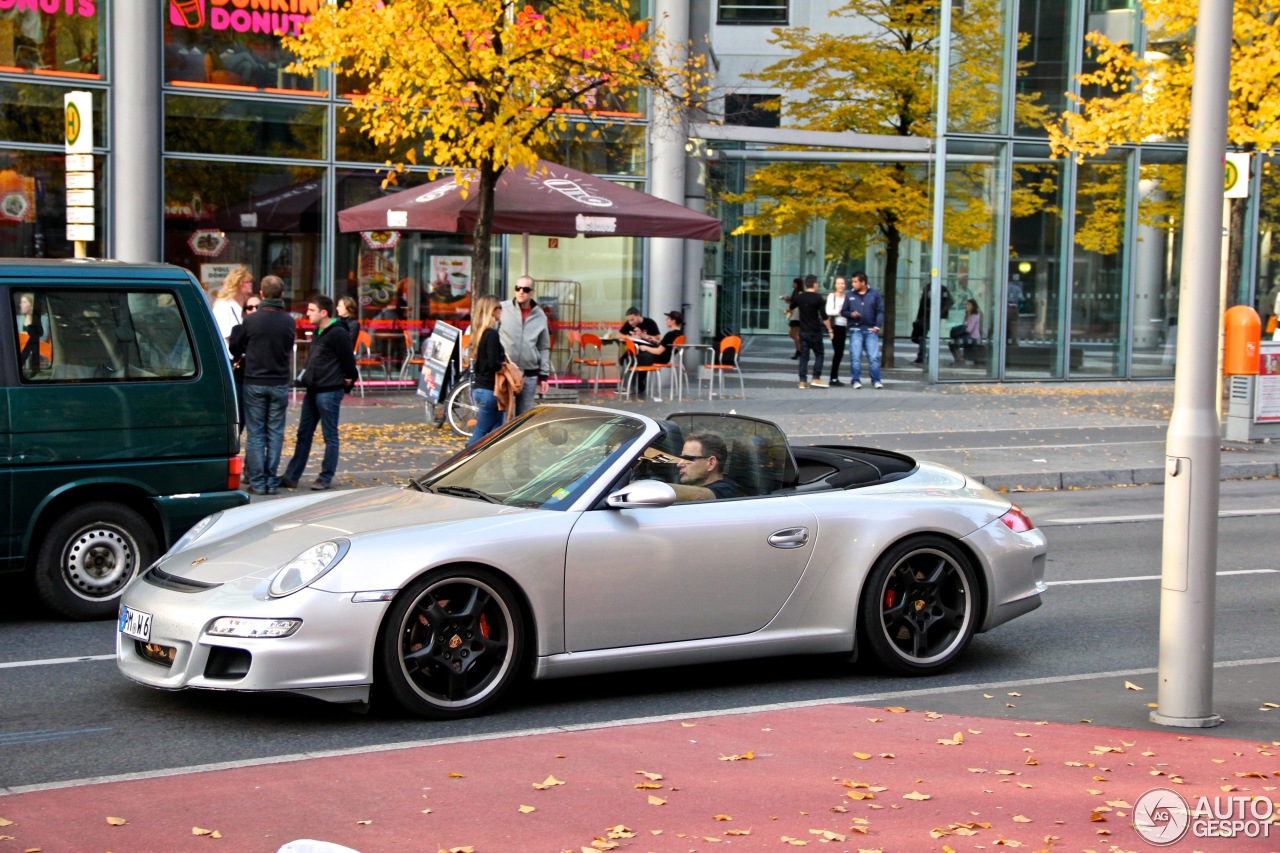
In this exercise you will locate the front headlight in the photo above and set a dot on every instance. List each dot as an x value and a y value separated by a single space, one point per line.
197 530
305 568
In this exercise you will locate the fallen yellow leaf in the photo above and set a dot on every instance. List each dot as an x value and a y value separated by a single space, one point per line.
648 786
5 822
954 740
1129 685
456 776
652 777
896 709
746 756
737 832
1021 819
916 795
364 822
550 782
827 835
116 821
527 809
794 842
862 756
722 817
195 830
656 801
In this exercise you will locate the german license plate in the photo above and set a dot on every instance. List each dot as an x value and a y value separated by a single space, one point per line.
135 623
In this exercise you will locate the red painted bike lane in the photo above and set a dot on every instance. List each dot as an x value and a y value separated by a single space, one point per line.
848 777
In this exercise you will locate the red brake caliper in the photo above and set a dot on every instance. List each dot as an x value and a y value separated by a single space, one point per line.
484 626
888 598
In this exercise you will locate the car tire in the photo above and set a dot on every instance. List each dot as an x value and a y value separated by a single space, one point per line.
89 555
919 607
451 644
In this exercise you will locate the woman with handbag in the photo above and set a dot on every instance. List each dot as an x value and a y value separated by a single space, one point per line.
487 357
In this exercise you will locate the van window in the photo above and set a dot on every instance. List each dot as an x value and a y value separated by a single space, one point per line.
68 336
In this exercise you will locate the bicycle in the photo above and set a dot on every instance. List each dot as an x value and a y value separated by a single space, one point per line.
460 410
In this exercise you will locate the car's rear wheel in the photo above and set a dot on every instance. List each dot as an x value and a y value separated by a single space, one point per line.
919 607
452 643
88 556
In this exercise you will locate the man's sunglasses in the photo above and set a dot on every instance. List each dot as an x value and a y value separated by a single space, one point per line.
251 307
693 458
524 290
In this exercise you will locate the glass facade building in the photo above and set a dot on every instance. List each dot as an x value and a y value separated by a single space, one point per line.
257 160
1074 267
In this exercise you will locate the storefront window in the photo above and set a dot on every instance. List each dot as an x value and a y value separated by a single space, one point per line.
1045 36
615 150
978 37
268 218
975 208
63 42
31 112
1157 263
250 128
218 44
1032 302
1097 273
33 206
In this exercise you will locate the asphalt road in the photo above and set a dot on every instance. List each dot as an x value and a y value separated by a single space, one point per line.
74 719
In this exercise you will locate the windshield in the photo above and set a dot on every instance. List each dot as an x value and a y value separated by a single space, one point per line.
544 461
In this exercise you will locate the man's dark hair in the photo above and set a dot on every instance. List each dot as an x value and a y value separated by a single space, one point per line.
272 287
859 275
810 282
713 445
633 311
324 303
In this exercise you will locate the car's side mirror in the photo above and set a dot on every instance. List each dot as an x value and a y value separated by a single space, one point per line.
642 494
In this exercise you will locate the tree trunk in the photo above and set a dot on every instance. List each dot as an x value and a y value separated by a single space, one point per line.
482 233
1235 250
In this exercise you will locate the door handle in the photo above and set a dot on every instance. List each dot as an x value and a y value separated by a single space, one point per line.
792 537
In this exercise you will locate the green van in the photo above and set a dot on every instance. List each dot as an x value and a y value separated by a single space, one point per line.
117 424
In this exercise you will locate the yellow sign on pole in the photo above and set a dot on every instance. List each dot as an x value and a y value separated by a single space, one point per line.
78 113
1237 177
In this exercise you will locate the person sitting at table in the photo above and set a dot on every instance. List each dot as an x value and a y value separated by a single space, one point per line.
638 326
659 353
701 468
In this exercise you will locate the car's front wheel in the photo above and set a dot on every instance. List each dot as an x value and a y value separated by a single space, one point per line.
919 606
88 556
451 644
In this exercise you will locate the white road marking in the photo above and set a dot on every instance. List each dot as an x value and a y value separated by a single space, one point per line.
857 699
51 661
1155 516
1156 577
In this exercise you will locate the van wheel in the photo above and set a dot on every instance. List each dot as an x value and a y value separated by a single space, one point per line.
88 556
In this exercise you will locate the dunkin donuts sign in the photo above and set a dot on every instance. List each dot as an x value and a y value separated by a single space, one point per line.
81 8
241 16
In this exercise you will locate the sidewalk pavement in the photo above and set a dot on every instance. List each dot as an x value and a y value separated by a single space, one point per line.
882 778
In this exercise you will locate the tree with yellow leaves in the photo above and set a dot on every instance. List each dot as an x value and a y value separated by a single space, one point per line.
881 80
1132 98
482 86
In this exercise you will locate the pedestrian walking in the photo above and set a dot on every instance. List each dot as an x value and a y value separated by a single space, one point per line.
330 373
264 344
810 309
487 357
793 321
526 340
839 326
864 311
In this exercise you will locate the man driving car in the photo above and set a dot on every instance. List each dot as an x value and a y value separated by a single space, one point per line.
701 468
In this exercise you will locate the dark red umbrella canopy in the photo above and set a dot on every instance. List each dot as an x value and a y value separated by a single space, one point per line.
550 200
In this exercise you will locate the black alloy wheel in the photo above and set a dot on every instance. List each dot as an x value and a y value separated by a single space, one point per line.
919 608
452 643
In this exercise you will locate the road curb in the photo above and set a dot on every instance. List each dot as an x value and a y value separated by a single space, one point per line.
1039 481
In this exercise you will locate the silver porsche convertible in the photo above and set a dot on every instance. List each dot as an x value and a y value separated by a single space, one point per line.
567 544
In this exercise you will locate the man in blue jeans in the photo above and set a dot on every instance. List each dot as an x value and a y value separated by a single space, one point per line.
864 309
265 343
330 373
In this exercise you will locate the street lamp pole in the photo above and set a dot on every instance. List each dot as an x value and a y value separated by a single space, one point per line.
1193 446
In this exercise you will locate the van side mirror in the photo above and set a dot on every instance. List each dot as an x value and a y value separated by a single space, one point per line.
642 494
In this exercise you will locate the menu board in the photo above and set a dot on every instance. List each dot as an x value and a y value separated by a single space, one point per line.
439 354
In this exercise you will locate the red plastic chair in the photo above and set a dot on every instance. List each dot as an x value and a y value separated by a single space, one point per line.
591 343
733 344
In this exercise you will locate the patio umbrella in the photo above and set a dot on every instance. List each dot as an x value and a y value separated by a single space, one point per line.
551 200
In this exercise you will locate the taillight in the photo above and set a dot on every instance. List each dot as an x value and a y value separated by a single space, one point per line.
1016 520
235 467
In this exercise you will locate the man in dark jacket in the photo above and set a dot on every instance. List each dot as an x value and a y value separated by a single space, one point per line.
330 373
265 341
